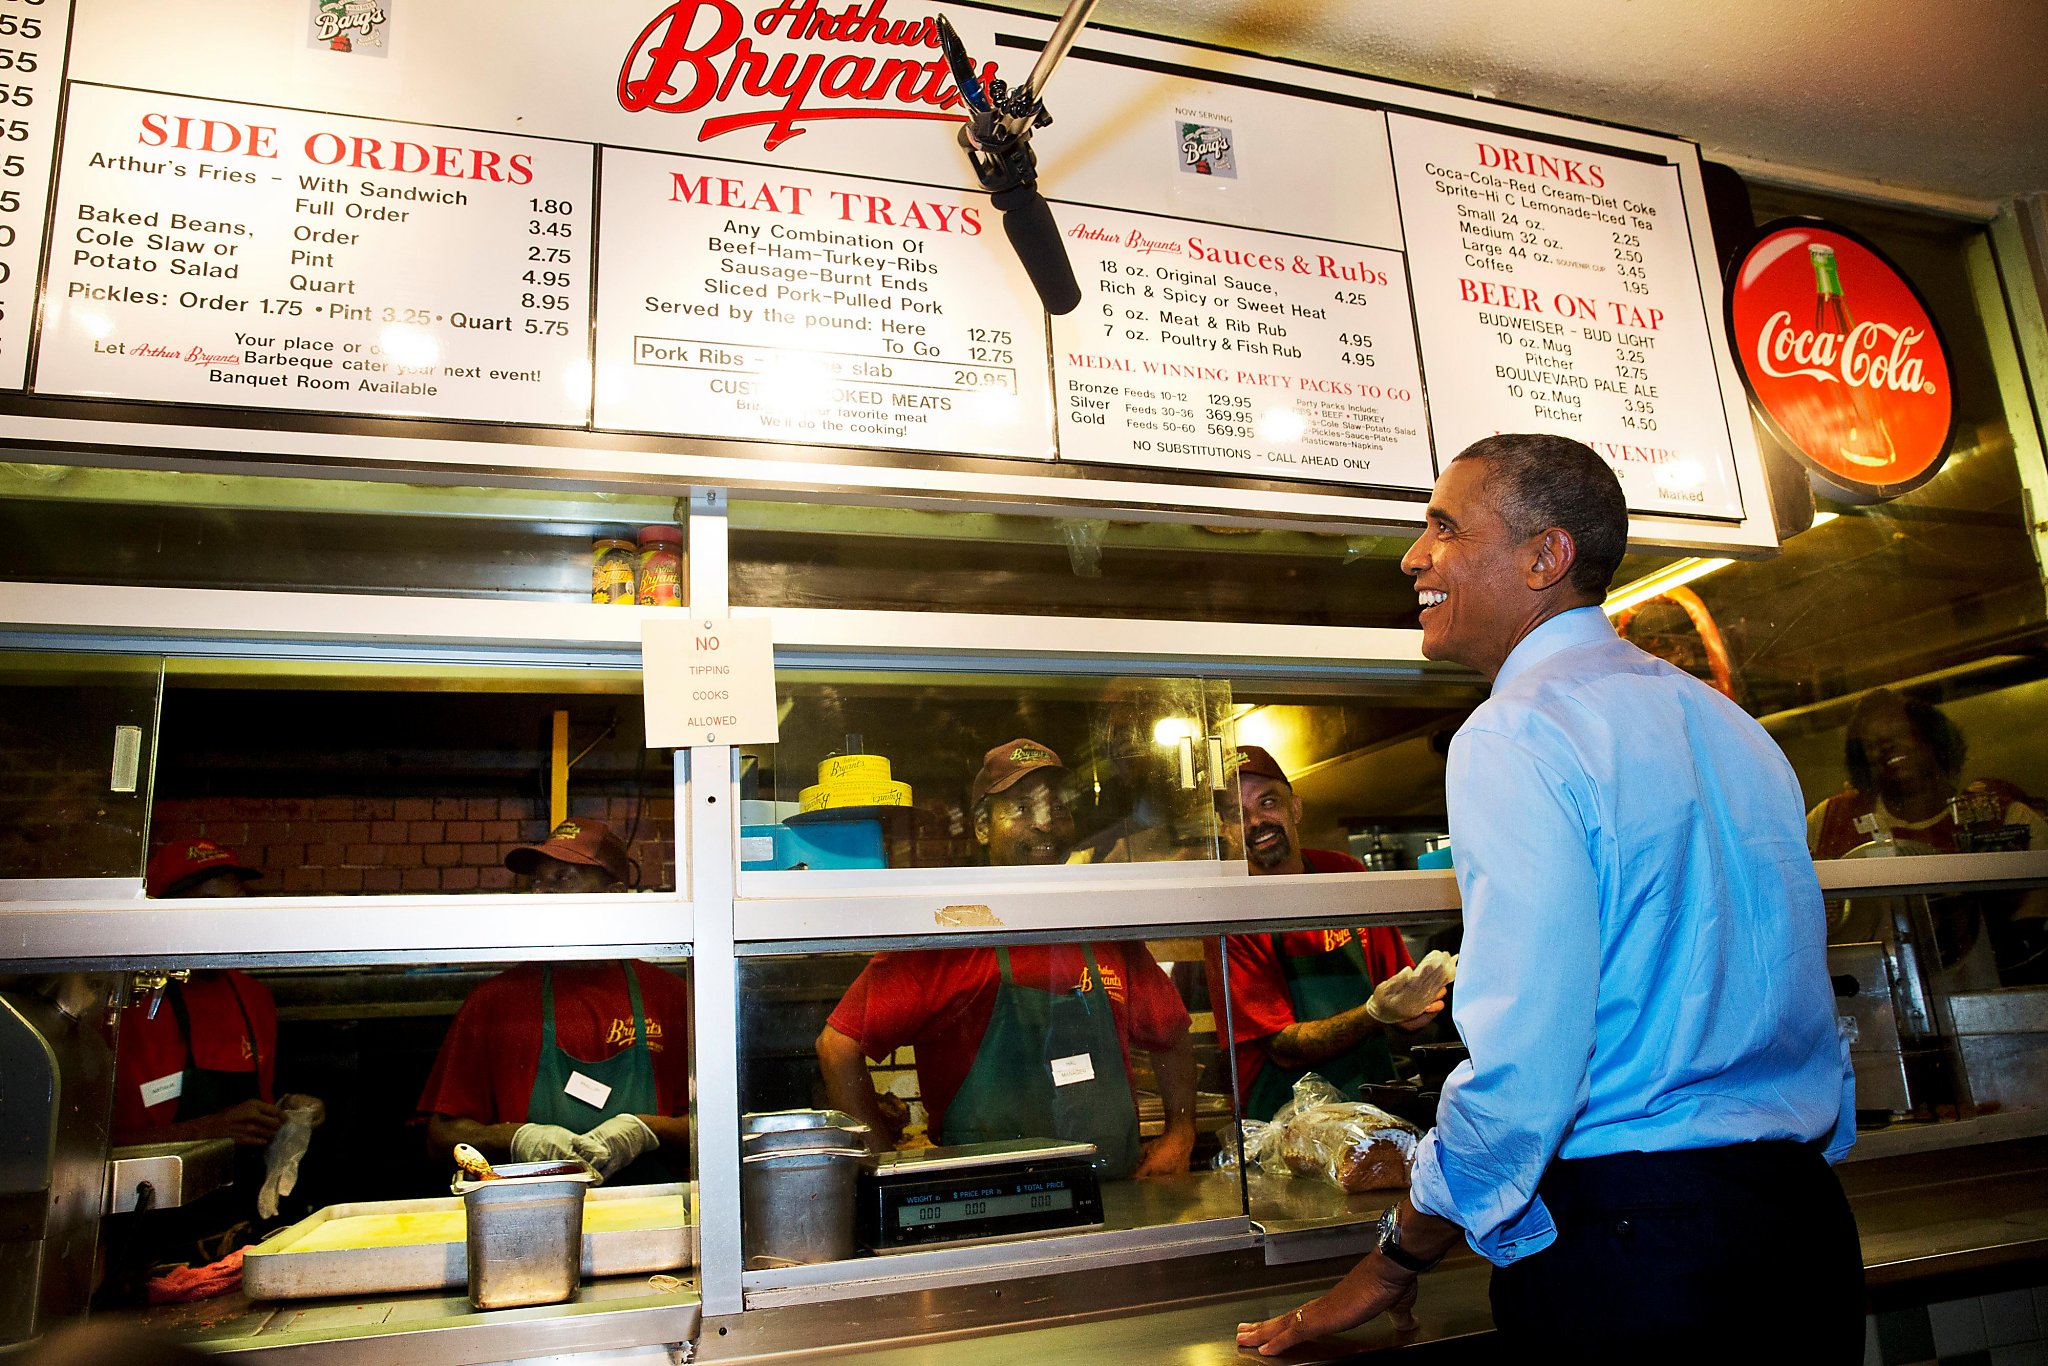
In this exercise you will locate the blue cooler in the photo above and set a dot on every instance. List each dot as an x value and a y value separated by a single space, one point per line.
821 844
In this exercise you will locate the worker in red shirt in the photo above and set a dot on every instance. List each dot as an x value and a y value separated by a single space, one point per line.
1305 1001
1025 1042
585 1060
200 1060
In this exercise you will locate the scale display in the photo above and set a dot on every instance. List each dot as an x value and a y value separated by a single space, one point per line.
964 1197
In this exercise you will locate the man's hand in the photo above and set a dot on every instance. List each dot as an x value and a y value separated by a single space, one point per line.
613 1145
251 1124
1410 993
1167 1155
1375 1286
544 1143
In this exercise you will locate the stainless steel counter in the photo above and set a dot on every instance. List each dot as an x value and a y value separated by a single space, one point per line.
404 1330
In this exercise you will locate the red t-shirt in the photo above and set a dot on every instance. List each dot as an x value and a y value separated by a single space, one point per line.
234 1029
487 1064
939 1002
1259 1003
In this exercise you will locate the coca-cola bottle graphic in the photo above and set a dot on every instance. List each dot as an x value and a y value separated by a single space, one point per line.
1863 437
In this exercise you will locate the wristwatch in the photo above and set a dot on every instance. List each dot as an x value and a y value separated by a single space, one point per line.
1390 1244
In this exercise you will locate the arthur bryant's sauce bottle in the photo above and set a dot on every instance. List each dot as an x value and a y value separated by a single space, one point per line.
661 566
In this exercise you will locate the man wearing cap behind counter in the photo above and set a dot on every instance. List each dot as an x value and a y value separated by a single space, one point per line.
1031 1042
569 1060
1640 1140
1317 1001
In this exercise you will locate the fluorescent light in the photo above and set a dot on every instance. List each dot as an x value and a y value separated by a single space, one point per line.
1675 575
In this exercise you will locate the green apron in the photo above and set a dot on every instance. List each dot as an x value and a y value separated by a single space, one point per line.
1010 1092
629 1073
1320 985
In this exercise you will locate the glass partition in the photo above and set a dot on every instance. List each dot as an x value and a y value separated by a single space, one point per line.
373 1074
983 1093
77 753
402 777
924 771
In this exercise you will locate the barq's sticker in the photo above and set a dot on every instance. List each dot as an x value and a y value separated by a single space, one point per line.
1067 1071
589 1090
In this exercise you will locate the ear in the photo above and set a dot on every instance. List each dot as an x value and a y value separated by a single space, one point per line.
981 823
1294 806
1554 554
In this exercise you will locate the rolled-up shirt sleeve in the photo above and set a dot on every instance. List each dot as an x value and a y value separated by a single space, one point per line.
1528 984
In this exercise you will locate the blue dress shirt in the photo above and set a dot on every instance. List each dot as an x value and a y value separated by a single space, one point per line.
1645 955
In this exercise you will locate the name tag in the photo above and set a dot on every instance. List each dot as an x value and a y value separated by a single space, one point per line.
591 1092
164 1088
1067 1071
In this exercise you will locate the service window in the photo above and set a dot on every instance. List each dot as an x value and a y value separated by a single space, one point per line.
927 1098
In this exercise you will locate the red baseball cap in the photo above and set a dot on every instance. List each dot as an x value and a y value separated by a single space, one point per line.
1257 762
1002 766
591 843
179 864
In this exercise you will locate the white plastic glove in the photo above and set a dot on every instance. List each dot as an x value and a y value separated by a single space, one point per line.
1411 991
612 1145
287 1148
543 1143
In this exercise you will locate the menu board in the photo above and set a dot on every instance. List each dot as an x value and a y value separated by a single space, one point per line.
789 305
1556 292
1199 347
32 40
700 249
209 252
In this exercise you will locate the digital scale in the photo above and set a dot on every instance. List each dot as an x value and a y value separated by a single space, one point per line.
977 1193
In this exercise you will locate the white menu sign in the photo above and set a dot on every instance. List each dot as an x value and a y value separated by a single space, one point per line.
208 252
1557 292
747 301
31 73
1211 348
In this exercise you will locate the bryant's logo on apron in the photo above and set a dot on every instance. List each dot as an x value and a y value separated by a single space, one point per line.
1111 983
621 1033
1334 940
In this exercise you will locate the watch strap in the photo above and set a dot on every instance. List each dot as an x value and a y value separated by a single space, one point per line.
1390 1245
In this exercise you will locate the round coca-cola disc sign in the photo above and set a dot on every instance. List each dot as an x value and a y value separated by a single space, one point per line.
1843 360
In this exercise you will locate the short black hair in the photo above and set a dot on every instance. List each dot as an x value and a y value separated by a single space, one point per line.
1553 481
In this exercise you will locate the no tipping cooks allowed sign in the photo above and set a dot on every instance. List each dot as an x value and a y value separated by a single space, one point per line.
708 681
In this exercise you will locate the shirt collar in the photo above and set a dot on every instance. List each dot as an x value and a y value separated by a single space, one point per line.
1579 626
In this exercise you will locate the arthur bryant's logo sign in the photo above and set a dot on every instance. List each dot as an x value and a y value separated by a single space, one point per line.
1842 359
779 66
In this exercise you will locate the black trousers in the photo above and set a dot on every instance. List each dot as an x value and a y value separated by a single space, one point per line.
1747 1251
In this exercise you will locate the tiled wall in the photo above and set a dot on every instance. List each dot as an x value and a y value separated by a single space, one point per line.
2006 1329
402 844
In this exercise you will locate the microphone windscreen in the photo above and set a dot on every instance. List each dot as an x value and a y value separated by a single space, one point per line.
1028 220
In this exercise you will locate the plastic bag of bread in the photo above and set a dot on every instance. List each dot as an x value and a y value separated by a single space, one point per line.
1354 1146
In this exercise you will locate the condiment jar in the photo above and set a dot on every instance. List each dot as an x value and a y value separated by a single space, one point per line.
661 566
611 571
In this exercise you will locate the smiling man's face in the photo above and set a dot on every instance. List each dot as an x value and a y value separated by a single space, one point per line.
1472 574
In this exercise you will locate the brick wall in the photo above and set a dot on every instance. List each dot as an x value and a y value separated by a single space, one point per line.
308 845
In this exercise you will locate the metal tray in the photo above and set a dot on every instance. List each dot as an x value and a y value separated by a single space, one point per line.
272 1271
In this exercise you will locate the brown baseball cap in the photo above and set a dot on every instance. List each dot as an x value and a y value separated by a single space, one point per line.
1002 766
1256 761
181 863
577 841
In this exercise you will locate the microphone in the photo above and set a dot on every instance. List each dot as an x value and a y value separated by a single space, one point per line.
1028 222
997 137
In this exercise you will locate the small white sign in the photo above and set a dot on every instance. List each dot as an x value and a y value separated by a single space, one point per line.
1067 1071
167 1087
589 1090
708 681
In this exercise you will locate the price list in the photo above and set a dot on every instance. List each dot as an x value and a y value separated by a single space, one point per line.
207 252
32 38
741 301
1215 348
1557 292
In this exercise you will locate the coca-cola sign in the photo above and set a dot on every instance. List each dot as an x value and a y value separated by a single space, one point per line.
779 66
1843 360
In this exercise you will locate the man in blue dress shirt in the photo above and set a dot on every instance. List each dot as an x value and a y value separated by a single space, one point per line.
1640 1141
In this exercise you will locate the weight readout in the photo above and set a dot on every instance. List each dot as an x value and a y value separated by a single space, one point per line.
986 1207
